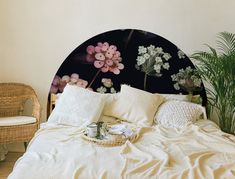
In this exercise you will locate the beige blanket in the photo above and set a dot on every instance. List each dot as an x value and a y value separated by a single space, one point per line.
200 151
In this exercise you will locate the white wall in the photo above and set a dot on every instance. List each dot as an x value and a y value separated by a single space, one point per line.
37 35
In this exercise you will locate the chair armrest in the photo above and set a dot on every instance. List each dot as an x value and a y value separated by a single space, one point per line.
36 109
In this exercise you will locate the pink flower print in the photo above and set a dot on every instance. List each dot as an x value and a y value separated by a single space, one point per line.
105 46
74 78
116 71
82 83
99 64
116 56
89 58
73 81
75 75
56 80
98 49
58 84
54 89
55 84
100 56
106 58
65 78
112 48
120 66
109 54
114 66
62 85
105 68
99 44
90 52
109 62
90 49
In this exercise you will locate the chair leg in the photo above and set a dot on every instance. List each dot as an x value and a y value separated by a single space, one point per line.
3 151
25 145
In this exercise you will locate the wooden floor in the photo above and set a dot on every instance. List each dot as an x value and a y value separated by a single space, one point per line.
7 165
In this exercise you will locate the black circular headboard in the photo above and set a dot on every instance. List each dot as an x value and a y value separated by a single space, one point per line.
117 57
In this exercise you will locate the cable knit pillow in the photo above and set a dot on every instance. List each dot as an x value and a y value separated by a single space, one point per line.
134 105
194 99
178 114
77 106
179 97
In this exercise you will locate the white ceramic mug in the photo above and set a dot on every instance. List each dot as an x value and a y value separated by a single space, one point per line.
91 130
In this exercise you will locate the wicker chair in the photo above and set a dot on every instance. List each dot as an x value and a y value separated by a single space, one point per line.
13 97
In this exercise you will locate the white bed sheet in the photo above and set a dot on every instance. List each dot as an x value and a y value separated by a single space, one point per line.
200 151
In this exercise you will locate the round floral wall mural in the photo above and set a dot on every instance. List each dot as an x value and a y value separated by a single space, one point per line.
138 58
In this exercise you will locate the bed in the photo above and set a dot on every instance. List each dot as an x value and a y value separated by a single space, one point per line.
200 151
173 137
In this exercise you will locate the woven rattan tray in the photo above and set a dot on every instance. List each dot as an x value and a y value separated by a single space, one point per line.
116 140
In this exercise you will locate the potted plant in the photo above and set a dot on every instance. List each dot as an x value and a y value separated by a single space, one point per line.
217 68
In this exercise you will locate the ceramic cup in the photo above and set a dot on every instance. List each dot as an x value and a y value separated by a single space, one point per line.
91 130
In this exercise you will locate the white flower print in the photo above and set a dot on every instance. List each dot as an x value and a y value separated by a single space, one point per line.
112 90
157 68
181 54
187 79
158 60
176 86
101 90
166 66
142 50
146 56
159 50
152 60
167 56
140 60
151 48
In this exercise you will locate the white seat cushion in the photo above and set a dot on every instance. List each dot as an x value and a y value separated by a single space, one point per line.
16 120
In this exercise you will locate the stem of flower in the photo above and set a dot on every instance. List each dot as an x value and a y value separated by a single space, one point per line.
97 73
145 80
129 37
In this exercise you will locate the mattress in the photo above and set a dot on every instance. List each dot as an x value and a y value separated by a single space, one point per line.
199 151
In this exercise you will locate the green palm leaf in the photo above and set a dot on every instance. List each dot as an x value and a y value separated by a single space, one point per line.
218 69
226 42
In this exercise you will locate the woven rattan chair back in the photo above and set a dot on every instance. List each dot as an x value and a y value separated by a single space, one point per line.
13 97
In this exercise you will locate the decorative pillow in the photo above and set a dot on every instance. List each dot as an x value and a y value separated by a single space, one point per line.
77 106
134 105
196 99
110 99
179 97
108 119
178 114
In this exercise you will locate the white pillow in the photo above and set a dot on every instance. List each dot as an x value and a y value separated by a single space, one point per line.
180 97
134 105
77 106
178 114
110 99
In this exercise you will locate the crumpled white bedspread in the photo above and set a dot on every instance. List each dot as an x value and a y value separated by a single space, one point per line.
200 151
